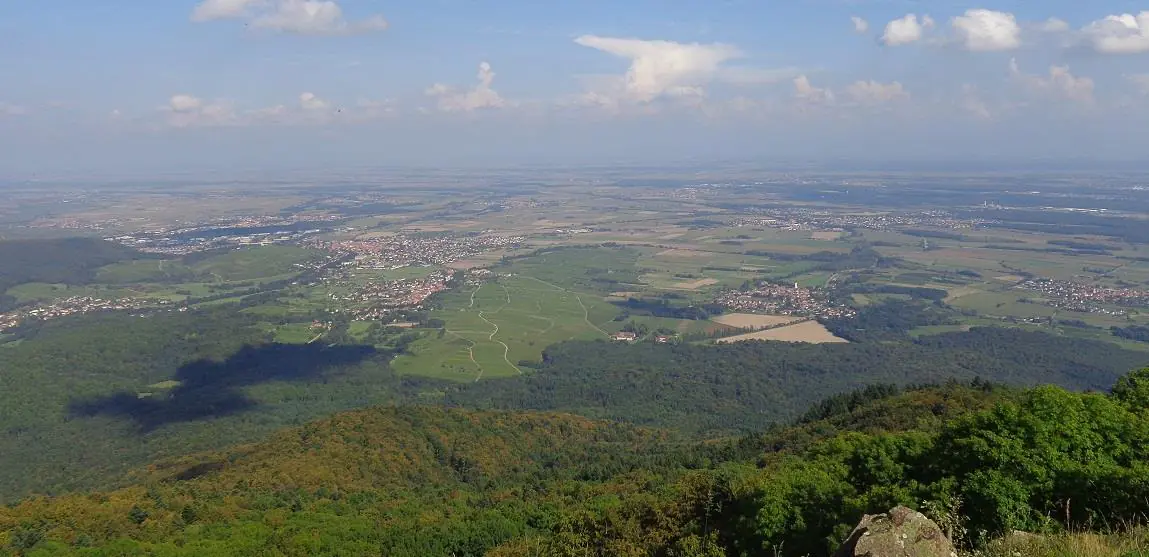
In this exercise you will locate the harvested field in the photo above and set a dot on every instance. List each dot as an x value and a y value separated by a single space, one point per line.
825 236
1009 278
695 285
748 320
681 253
810 332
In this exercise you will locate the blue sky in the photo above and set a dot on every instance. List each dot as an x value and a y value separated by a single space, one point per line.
138 86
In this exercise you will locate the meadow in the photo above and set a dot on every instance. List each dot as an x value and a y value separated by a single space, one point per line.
497 328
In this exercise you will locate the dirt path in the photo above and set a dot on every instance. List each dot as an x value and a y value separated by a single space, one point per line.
491 337
585 312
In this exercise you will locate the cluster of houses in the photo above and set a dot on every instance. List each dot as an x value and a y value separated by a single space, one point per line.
801 219
1086 298
377 300
391 252
77 305
777 299
629 336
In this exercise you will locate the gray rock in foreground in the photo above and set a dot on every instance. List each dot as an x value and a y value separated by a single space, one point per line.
899 533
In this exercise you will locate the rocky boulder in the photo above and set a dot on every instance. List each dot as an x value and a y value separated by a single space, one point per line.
899 533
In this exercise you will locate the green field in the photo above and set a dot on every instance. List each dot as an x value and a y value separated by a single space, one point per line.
148 270
585 269
255 263
491 329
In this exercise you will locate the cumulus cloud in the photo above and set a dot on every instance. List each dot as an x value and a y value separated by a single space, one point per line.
209 10
804 91
659 68
1119 34
185 111
310 102
304 17
1059 82
860 25
987 30
482 96
184 103
873 92
907 30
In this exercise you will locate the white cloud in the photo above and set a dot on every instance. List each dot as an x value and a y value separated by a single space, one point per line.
224 9
304 17
185 111
1119 34
310 102
860 25
1059 82
659 68
807 93
480 97
184 103
1053 25
873 92
906 30
987 30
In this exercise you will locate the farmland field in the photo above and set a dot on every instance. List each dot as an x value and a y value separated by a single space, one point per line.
810 332
491 330
753 320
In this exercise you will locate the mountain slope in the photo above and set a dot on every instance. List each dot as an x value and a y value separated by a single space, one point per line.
407 481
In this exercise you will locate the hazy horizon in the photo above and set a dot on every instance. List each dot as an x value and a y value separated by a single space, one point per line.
131 87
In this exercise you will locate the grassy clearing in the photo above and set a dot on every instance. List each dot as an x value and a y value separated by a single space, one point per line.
293 333
491 330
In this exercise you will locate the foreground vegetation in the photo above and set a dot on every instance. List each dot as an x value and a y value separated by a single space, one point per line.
85 399
981 460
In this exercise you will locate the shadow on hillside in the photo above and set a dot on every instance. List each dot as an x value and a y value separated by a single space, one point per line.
209 389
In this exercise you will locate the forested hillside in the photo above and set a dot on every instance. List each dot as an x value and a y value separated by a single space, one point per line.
981 460
747 386
84 399
67 261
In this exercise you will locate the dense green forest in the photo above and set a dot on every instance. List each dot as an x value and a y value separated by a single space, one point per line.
747 386
67 261
981 460
86 398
